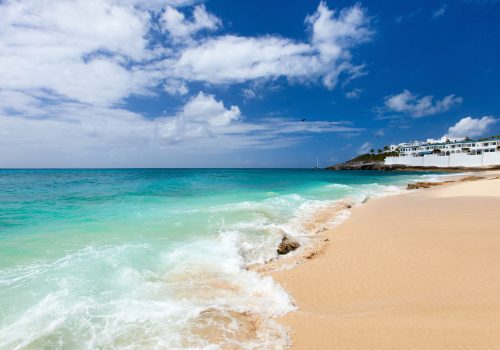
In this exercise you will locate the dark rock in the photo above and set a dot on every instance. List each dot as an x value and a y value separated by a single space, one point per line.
312 255
360 166
370 165
418 185
471 178
287 245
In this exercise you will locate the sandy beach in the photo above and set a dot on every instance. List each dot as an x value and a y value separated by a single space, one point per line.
414 271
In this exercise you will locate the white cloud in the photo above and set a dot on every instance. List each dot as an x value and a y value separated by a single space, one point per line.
48 47
353 94
332 35
175 87
78 134
156 5
179 28
365 148
201 117
67 68
415 106
231 59
248 94
440 11
471 127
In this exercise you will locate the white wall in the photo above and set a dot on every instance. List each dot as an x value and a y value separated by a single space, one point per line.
453 160
491 158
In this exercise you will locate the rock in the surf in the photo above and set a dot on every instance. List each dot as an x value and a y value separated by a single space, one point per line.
287 245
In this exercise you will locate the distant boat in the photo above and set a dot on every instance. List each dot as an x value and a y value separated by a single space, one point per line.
317 163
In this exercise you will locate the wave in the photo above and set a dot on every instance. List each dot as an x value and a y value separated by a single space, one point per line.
197 293
201 284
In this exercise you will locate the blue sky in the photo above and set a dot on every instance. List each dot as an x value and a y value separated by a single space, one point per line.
174 83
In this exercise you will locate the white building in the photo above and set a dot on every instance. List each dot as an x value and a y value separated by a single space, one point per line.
392 148
461 153
445 139
399 147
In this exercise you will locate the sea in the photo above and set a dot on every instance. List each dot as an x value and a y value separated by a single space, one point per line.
157 258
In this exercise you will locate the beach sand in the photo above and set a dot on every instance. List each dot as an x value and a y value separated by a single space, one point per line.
414 271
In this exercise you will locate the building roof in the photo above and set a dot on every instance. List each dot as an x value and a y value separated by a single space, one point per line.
463 141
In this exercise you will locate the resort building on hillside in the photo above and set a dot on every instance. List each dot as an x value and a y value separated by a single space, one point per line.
459 152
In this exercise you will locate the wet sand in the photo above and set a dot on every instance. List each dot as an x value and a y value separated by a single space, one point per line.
414 271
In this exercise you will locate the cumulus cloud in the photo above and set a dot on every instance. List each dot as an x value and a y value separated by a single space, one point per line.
79 134
471 127
50 48
179 28
175 87
69 67
201 117
415 106
232 59
156 5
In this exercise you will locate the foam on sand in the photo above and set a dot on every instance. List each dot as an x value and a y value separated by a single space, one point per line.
411 271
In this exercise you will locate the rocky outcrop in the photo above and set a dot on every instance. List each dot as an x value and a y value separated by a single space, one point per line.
360 166
423 184
287 245
471 178
382 167
418 185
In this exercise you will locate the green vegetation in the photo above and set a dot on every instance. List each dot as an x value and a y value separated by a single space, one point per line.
489 138
369 158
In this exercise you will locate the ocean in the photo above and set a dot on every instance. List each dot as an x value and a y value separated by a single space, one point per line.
156 258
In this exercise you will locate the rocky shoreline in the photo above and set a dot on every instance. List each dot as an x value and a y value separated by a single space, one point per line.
380 166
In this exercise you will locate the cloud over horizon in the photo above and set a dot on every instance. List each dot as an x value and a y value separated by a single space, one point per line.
65 78
78 134
150 81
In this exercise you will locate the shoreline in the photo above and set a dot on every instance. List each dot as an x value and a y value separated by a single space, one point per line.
335 305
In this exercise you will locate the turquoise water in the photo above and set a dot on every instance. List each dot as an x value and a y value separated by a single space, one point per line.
154 258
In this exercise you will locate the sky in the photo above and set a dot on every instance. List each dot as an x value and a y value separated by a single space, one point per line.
233 83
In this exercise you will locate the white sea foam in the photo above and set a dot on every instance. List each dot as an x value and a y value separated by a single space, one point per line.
439 177
152 309
339 186
108 297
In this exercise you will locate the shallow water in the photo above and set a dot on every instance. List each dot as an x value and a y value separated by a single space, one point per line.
155 258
